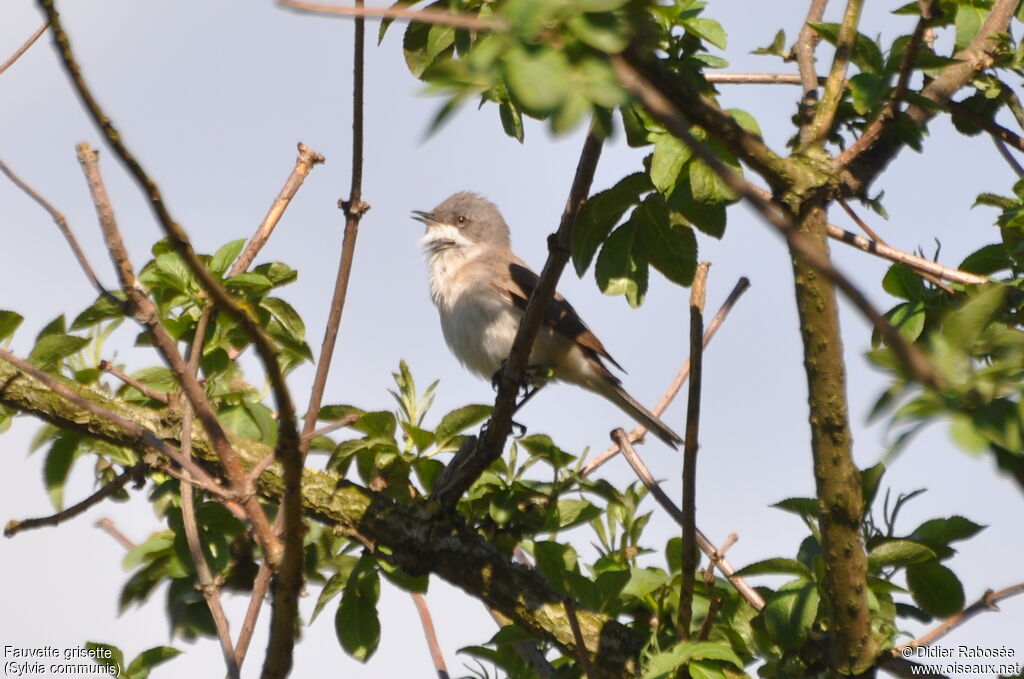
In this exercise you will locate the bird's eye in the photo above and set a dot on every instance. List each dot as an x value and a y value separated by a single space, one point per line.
460 220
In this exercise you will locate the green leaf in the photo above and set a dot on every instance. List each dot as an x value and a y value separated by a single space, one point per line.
356 622
102 309
600 213
107 656
944 531
670 154
790 612
439 39
901 281
380 425
538 79
50 350
511 120
277 273
458 421
604 32
776 48
670 248
709 218
144 662
870 479
57 466
935 588
665 664
866 53
987 260
898 553
622 266
225 255
248 283
284 314
969 20
708 30
776 566
804 506
9 322
541 445
707 186
333 413
867 91
643 581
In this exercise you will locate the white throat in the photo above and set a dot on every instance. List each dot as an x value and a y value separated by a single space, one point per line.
447 251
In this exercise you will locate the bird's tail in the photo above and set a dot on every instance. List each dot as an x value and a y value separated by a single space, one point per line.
617 395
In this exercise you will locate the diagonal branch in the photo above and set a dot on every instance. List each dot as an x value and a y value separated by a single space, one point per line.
639 431
14 526
875 128
24 47
665 112
987 602
62 224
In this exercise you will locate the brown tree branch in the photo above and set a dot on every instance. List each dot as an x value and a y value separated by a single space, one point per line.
987 602
663 110
698 292
15 526
873 132
1008 157
427 622
859 172
661 497
638 432
62 224
306 161
825 113
108 527
24 47
467 466
423 16
804 48
145 312
137 436
148 392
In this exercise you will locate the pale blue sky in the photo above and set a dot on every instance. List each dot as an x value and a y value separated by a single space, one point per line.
213 97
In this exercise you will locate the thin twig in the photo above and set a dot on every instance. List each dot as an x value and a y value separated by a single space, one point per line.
994 129
639 431
714 602
14 526
207 584
804 48
108 527
581 645
260 586
142 437
148 392
753 78
306 161
931 278
665 112
987 602
698 292
431 635
1007 156
422 16
661 497
145 312
466 468
62 224
24 47
287 432
891 108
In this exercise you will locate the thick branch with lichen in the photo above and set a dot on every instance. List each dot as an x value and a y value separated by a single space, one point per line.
418 537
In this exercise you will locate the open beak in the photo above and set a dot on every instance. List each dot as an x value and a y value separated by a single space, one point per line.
424 217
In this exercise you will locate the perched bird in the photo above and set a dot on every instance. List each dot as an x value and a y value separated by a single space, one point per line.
481 288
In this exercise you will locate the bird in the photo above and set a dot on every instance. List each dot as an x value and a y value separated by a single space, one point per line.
480 288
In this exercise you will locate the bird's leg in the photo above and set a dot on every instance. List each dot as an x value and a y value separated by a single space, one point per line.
534 377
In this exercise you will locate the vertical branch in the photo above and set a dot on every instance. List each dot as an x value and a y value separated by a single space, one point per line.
837 480
804 50
689 560
354 209
834 86
428 631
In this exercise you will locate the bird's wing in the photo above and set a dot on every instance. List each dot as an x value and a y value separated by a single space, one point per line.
560 315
